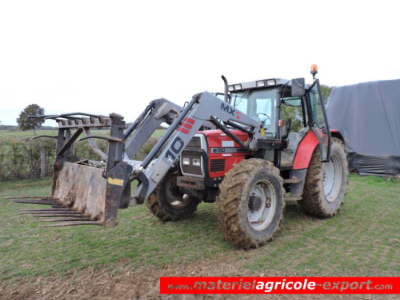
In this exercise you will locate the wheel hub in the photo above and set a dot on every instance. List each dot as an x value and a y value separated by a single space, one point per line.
254 203
174 196
332 178
262 205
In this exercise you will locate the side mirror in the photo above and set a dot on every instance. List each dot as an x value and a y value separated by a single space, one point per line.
298 87
286 129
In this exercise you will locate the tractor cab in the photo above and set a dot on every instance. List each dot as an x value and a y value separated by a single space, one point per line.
287 110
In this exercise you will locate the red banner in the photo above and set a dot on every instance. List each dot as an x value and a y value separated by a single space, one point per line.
280 285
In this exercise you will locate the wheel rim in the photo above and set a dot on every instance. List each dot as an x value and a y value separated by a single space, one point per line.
332 179
262 205
174 196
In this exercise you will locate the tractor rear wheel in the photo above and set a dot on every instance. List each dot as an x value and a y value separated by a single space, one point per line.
325 184
168 203
251 203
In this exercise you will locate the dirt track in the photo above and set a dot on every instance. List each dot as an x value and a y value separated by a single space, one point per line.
139 284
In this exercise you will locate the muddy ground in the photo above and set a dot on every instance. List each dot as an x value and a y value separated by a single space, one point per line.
139 284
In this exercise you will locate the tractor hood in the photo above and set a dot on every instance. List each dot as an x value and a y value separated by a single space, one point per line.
217 139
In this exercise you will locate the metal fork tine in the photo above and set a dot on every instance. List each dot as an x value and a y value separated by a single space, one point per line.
44 215
63 224
65 219
31 197
69 212
42 202
45 210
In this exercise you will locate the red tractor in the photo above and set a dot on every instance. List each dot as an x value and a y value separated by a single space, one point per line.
250 150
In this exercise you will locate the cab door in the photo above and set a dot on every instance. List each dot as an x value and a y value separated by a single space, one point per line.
317 119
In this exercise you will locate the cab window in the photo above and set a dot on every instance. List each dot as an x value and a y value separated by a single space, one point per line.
258 104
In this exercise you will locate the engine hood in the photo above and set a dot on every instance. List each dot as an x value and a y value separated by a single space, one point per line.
218 139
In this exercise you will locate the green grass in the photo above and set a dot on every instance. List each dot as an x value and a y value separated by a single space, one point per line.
19 134
363 239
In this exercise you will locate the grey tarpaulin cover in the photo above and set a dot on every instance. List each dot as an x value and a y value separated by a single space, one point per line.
368 116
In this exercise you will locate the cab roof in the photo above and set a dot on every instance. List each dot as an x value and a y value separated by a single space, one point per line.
263 83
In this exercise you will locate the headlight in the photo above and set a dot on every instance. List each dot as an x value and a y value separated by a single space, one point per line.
186 161
271 82
260 83
196 162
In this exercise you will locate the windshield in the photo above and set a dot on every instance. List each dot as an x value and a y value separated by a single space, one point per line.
258 104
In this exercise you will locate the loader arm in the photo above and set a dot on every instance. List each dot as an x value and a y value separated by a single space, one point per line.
157 112
204 107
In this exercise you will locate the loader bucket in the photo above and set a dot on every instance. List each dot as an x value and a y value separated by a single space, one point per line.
85 192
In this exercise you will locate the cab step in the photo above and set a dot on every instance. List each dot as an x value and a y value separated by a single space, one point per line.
292 180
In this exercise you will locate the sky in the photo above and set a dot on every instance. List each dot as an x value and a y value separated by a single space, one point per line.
116 56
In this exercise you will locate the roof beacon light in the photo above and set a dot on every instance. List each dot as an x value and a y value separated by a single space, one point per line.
314 70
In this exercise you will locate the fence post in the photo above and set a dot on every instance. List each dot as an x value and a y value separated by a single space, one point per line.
43 162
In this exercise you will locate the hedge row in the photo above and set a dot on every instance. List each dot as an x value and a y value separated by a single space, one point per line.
22 158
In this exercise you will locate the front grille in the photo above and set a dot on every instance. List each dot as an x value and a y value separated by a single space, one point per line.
190 169
217 165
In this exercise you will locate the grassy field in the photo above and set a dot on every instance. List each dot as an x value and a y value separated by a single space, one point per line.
19 134
25 134
363 239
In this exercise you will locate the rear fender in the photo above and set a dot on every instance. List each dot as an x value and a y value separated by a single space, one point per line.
307 147
305 151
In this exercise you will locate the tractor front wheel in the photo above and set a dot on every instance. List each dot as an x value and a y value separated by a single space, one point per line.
251 203
326 183
168 203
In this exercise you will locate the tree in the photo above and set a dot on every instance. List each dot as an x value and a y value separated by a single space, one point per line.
325 90
25 120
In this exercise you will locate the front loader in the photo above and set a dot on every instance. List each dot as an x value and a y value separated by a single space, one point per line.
250 150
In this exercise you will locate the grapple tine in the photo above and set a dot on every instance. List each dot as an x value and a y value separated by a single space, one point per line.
31 201
31 197
43 215
65 219
68 212
45 210
64 224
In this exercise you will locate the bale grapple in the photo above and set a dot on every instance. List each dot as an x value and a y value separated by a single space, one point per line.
82 193
88 192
